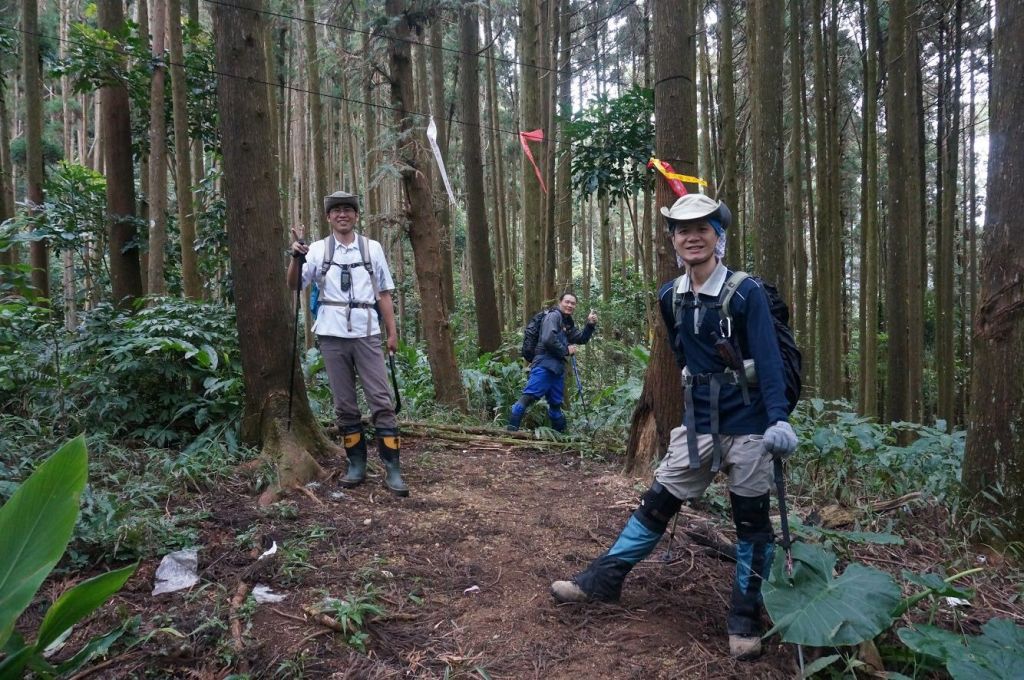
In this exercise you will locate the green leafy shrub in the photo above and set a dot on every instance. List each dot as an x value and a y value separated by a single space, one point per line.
35 527
846 456
167 374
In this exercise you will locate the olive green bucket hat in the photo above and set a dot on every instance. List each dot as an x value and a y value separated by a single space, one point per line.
341 198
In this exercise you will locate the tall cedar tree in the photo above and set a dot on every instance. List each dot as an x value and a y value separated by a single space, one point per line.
767 33
488 325
675 140
191 284
255 244
424 229
995 439
39 250
532 195
157 154
125 268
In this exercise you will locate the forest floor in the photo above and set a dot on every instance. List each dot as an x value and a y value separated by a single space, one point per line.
460 572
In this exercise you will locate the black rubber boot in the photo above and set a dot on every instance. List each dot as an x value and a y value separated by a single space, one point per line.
388 445
355 449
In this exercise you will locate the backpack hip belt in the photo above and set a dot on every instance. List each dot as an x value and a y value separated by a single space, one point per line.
715 382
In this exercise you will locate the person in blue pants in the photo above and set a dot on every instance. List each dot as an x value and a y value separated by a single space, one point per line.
558 340
734 421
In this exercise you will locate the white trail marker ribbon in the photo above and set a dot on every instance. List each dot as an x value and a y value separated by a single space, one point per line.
432 136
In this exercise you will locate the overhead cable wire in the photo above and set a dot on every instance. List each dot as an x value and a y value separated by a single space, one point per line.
625 4
295 88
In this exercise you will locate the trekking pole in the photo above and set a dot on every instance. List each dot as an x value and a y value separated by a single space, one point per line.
780 488
394 383
579 388
295 342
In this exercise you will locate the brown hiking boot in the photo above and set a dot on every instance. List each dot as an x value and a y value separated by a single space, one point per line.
744 648
568 591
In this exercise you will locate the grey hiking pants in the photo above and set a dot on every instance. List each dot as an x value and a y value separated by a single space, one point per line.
344 358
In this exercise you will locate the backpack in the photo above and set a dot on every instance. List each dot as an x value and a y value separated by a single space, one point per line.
531 335
791 359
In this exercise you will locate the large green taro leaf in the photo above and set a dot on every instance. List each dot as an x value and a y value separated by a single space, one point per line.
996 654
35 527
812 607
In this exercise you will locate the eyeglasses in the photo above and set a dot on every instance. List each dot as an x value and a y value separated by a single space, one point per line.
344 209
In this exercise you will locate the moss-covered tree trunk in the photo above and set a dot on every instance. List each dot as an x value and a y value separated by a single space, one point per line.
675 140
995 438
265 317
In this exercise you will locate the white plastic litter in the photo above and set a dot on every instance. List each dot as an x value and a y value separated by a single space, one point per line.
337 495
262 593
268 552
957 602
177 571
472 590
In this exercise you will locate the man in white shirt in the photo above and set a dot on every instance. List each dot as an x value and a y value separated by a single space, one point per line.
353 285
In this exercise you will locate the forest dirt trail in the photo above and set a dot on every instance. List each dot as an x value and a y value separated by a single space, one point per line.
461 569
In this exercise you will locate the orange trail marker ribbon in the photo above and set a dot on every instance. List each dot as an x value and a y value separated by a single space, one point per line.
535 136
674 179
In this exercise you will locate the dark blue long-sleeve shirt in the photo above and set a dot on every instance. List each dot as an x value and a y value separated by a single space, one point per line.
557 332
754 329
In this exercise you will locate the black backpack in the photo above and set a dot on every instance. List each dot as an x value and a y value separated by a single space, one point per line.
531 335
792 361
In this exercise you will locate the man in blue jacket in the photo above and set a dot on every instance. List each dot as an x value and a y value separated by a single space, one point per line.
735 421
557 341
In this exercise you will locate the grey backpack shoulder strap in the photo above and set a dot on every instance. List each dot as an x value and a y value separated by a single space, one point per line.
364 247
729 289
328 259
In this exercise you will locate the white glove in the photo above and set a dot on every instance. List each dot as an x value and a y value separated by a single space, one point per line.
780 440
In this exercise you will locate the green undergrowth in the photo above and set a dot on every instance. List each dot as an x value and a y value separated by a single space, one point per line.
124 507
860 615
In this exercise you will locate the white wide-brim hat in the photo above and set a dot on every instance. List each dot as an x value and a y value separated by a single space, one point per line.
698 207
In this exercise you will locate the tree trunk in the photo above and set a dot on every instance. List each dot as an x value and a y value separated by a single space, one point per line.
827 279
945 360
767 136
477 232
157 198
440 110
265 332
605 224
506 273
797 231
424 231
706 158
192 286
563 213
316 116
8 257
903 214
125 270
532 195
728 183
39 250
675 97
869 253
995 439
